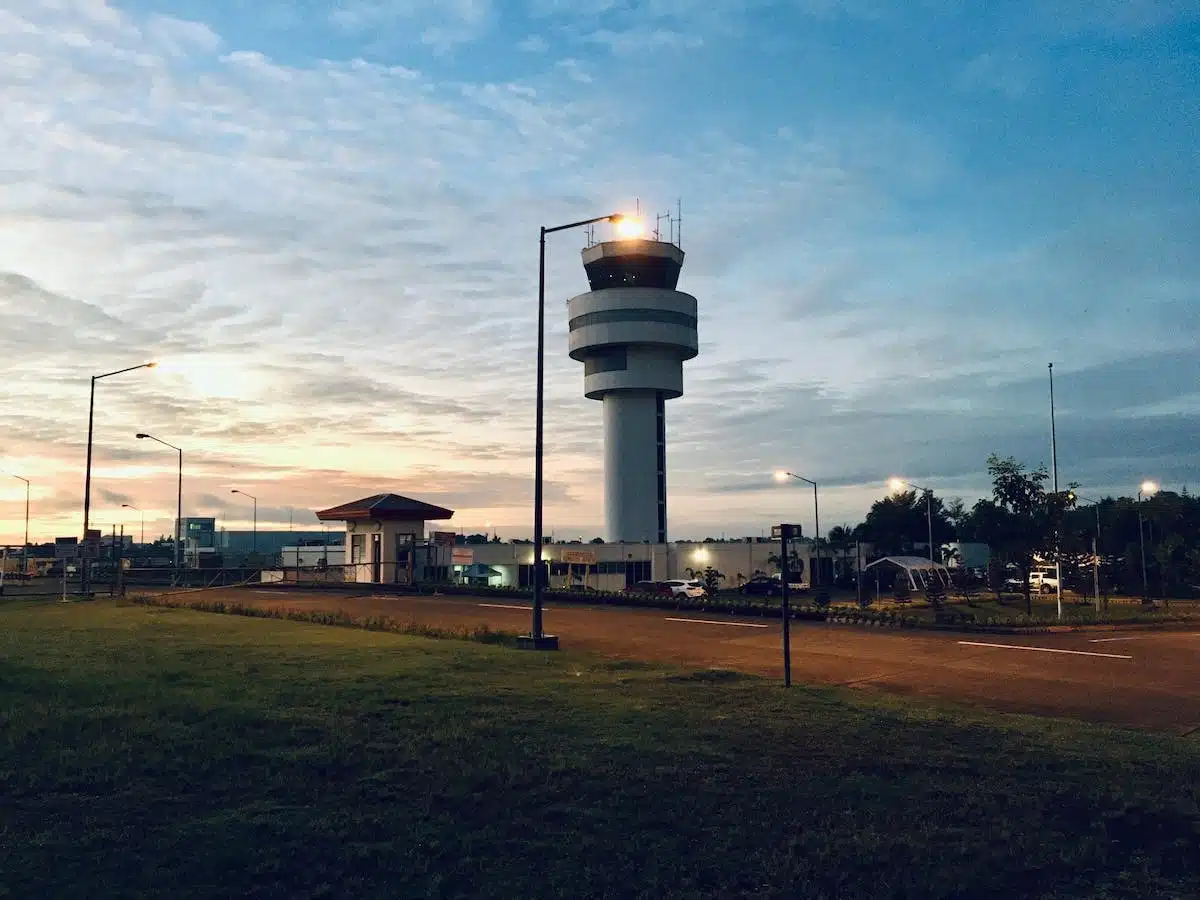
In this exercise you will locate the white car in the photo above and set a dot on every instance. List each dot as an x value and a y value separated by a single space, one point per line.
1044 581
685 587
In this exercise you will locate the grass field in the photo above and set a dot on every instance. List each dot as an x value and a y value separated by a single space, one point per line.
162 752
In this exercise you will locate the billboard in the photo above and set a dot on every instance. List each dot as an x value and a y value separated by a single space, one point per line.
66 548
442 537
462 556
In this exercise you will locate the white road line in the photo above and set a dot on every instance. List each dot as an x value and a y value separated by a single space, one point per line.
715 622
1043 649
505 606
1110 640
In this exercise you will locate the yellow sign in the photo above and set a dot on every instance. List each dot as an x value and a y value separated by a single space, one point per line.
579 557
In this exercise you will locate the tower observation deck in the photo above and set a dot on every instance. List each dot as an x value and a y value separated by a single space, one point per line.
632 331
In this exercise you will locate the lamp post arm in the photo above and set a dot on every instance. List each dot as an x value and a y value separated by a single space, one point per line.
579 224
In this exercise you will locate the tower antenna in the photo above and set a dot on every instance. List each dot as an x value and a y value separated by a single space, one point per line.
679 219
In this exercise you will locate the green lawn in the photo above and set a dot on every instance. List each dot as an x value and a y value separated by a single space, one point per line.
169 753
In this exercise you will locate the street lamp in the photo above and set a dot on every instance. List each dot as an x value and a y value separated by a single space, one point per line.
254 533
142 539
897 484
1149 488
86 578
178 508
815 575
627 228
25 547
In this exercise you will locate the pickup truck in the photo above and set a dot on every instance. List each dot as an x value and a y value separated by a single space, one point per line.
1043 581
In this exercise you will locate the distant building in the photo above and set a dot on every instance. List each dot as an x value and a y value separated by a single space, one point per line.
386 541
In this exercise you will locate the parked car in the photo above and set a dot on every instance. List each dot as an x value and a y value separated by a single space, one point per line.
1042 580
686 587
762 586
651 587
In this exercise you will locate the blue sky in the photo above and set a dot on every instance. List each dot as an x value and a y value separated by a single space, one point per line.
324 217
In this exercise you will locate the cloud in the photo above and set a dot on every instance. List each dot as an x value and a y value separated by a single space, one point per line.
334 257
533 43
1007 75
442 24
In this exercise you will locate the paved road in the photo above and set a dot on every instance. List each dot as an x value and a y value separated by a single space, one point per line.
1147 679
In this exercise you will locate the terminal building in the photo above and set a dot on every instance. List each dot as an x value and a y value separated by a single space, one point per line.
388 539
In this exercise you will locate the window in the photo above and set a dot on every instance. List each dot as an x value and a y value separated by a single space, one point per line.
358 548
614 359
609 316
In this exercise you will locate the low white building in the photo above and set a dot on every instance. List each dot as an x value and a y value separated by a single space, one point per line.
387 543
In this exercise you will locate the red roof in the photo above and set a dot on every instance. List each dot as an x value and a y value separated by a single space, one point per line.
383 507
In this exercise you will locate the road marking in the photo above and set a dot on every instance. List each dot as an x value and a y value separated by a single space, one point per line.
715 622
1043 649
505 606
1110 640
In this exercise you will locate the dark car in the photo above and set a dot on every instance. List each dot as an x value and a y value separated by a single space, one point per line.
762 586
651 587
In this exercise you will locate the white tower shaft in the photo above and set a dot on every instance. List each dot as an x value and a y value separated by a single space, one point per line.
632 332
635 477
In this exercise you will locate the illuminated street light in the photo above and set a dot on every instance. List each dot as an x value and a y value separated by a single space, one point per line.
1149 489
815 575
536 639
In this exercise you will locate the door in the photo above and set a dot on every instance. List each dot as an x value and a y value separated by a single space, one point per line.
376 557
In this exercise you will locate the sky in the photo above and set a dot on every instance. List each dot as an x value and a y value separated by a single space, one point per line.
321 218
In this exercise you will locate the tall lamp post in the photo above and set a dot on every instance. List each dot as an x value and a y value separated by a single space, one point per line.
1149 488
142 536
86 577
254 533
1054 470
898 484
815 575
178 507
25 546
536 639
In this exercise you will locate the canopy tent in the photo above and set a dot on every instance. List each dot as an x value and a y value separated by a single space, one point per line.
921 572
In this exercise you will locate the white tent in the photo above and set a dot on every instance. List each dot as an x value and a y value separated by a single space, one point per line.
921 572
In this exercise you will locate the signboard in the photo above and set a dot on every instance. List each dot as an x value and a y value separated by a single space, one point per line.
777 532
462 556
66 548
579 557
442 537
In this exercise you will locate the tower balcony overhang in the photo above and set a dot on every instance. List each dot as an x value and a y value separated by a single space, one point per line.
632 317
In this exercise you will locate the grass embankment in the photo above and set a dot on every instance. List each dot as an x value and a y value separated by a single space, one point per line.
165 752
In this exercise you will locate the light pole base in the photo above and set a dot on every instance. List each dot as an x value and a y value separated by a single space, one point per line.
545 642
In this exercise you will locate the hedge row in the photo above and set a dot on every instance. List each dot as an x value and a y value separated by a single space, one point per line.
482 634
958 618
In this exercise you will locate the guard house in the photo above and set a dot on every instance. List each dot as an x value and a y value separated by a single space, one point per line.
386 542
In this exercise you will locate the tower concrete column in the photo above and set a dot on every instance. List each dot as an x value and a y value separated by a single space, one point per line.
632 332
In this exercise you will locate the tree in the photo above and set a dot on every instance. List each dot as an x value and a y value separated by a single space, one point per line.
840 541
898 521
712 579
1022 518
596 540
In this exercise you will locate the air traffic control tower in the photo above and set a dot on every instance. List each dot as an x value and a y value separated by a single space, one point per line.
632 331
